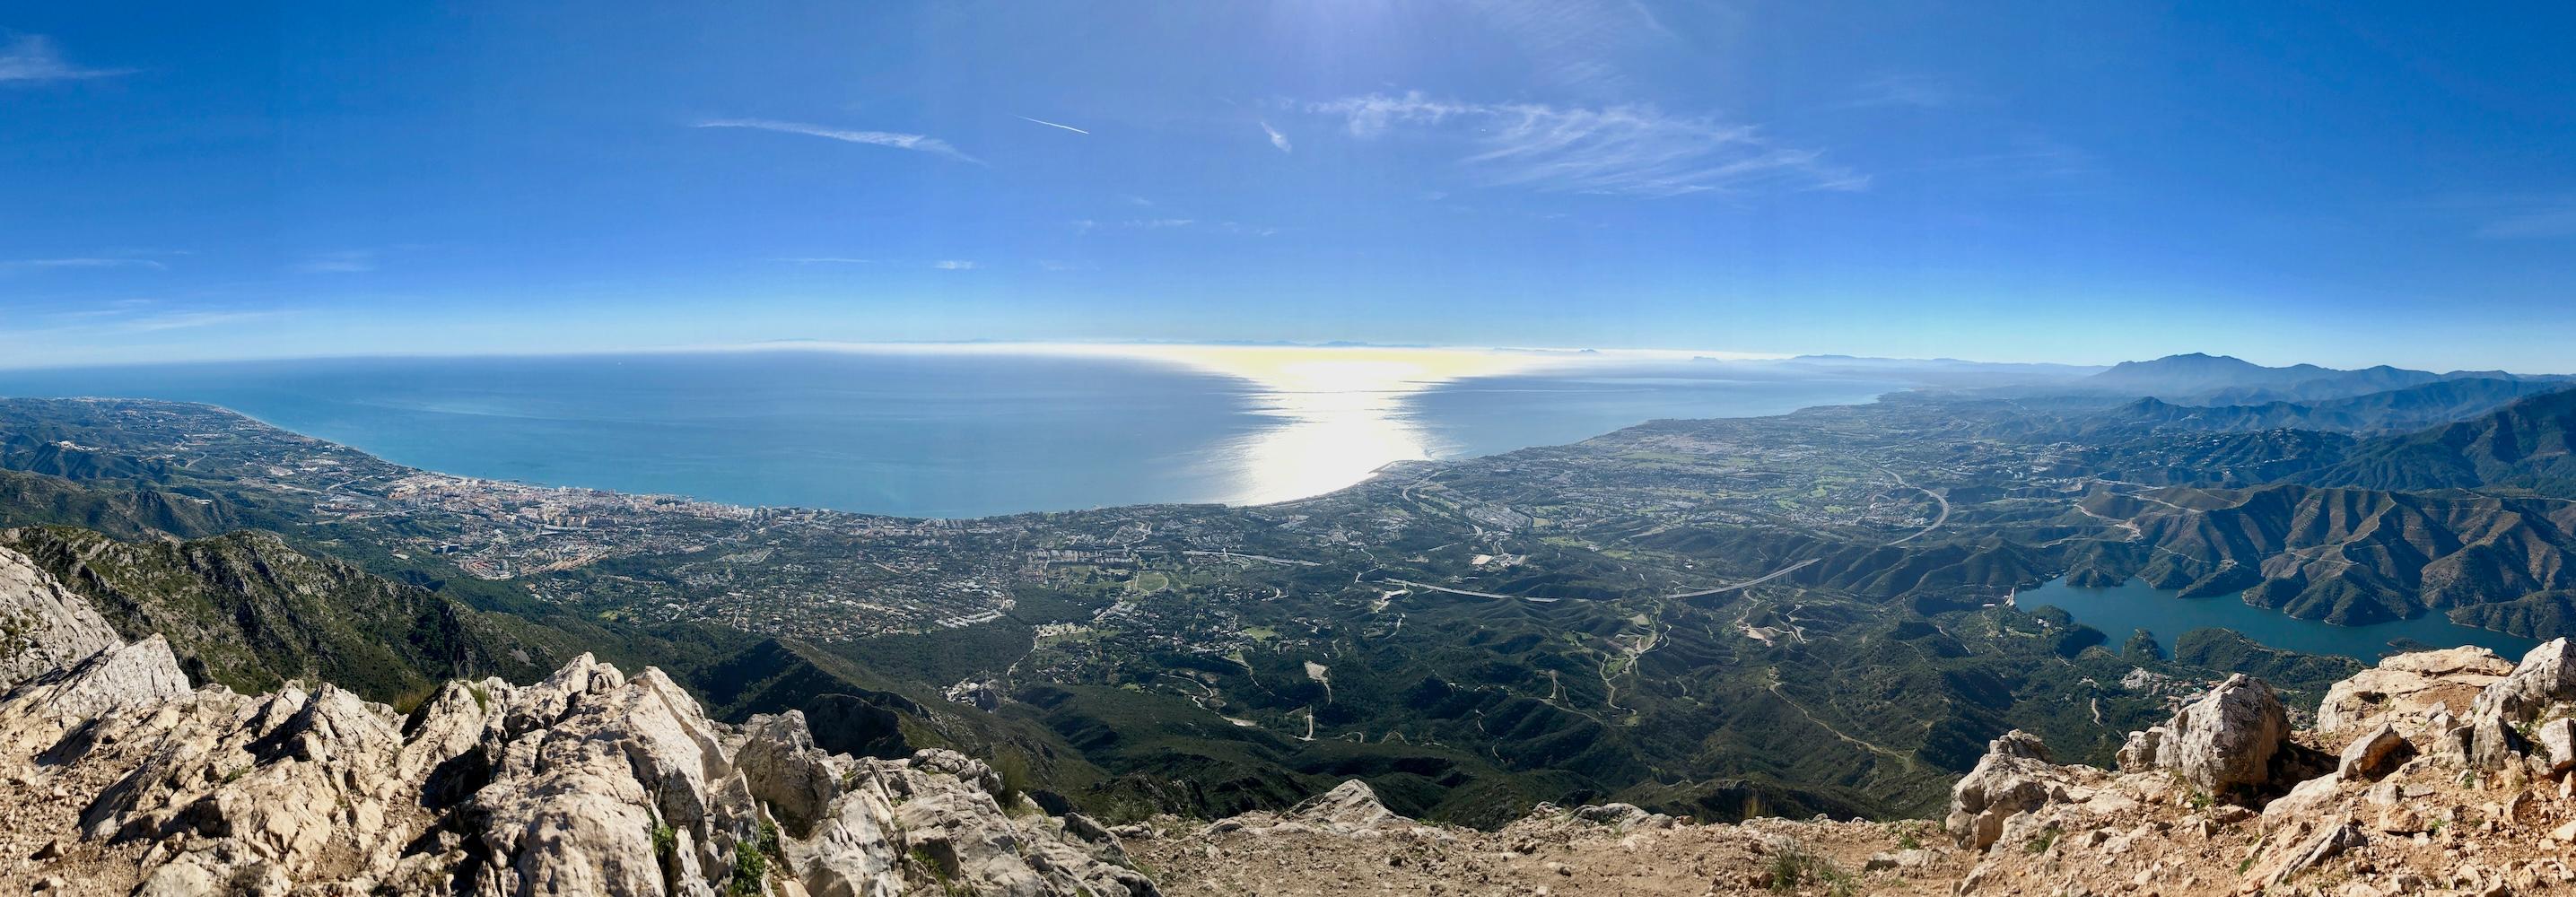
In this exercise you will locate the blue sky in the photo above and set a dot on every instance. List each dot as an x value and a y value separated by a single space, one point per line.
2345 183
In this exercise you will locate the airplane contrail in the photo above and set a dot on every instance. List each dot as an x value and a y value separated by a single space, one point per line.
1050 124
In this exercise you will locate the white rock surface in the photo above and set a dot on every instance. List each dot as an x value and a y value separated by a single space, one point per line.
42 625
589 782
2220 744
2407 687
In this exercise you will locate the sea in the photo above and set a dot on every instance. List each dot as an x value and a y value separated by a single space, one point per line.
926 434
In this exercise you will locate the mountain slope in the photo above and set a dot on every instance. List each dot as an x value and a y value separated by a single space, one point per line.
2403 410
247 611
2345 556
2525 447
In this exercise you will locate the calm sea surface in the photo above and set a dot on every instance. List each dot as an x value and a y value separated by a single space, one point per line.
911 434
2134 605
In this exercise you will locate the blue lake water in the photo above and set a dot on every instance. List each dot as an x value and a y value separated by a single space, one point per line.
2131 606
912 434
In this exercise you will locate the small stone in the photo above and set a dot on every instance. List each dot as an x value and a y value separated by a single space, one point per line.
2373 754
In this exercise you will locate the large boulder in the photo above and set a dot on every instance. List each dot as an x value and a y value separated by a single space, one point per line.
2544 683
796 779
2221 744
2014 777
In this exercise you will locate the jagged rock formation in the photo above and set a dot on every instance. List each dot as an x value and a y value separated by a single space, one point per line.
2396 813
2419 798
42 626
116 777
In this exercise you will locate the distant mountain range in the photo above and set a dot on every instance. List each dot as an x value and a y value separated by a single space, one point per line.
2391 411
2203 379
2525 447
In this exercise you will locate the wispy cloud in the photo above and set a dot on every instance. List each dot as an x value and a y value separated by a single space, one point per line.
2536 218
1277 139
80 262
189 320
346 261
953 265
1050 124
1087 225
34 58
1634 150
1904 90
145 316
915 142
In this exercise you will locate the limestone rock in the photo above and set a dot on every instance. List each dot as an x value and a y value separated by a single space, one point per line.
589 782
2557 739
1350 807
785 770
2308 800
852 852
2409 686
2544 679
2326 844
2221 744
43 626
2374 754
2013 777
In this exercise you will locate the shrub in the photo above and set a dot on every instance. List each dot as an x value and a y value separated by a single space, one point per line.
750 871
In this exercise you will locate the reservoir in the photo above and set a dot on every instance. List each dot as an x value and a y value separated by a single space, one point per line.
2134 605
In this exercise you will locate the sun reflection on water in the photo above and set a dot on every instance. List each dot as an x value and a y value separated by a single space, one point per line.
1340 412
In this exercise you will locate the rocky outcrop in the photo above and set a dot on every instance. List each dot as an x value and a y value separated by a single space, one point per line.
2013 778
116 777
43 627
2409 687
2542 686
1349 808
2221 744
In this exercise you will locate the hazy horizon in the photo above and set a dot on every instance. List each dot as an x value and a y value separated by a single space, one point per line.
1147 349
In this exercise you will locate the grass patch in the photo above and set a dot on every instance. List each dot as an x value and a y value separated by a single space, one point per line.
2041 842
1795 867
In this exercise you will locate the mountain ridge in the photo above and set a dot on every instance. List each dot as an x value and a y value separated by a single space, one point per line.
2203 379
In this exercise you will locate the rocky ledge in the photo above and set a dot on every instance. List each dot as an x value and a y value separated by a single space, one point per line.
117 777
2445 772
